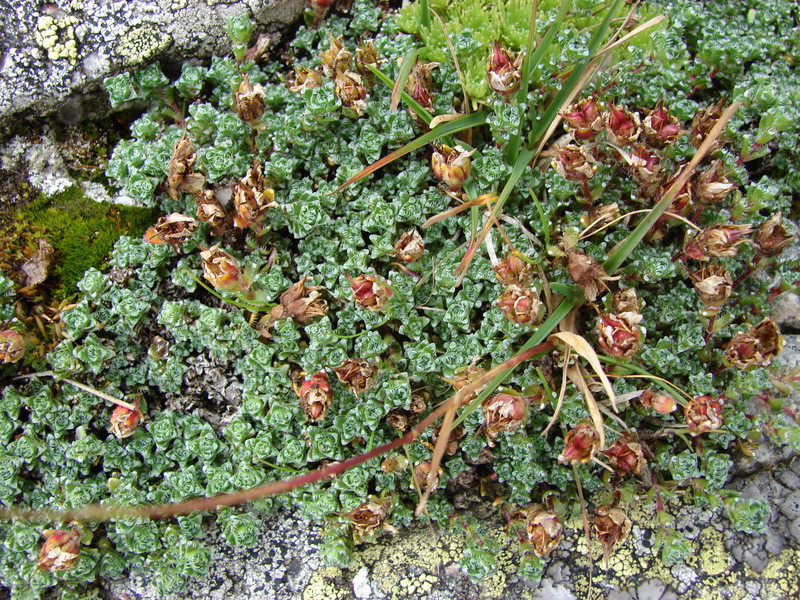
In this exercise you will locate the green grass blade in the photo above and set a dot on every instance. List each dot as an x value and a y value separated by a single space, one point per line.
415 106
402 75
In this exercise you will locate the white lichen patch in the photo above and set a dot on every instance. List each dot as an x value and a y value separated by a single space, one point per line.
142 43
56 35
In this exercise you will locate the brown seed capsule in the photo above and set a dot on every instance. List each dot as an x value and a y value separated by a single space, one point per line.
702 414
574 163
463 376
503 412
611 526
646 169
619 334
714 286
625 300
456 433
519 304
544 532
717 241
305 79
660 128
357 374
173 229
419 84
335 58
401 419
452 165
222 271
316 396
600 216
369 293
12 346
771 237
702 123
755 347
159 349
419 401
586 272
210 210
583 119
513 270
303 303
626 456
366 56
61 550
422 474
581 443
622 125
503 71
181 176
124 421
351 91
370 516
252 198
248 101
712 186
409 247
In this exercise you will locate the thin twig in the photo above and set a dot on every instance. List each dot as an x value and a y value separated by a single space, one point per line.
81 386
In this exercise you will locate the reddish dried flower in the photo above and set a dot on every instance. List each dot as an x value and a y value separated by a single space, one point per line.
300 302
581 443
316 396
222 270
349 87
248 101
456 433
210 210
463 376
369 293
124 421
357 374
622 125
503 412
409 247
319 8
574 163
305 79
519 304
755 347
619 334
702 414
336 58
452 165
663 404
714 286
419 84
503 72
611 526
181 176
660 128
702 123
583 119
12 346
712 186
422 474
370 516
626 456
173 229
252 198
717 241
586 272
544 532
646 169
61 550
771 237
513 270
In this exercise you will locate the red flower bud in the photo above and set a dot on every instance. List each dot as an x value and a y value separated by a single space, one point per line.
519 304
663 404
222 270
409 247
622 125
544 532
370 516
173 229
369 293
714 286
626 456
181 176
503 412
513 270
583 119
124 421
574 163
611 526
349 88
717 241
660 128
248 101
12 346
619 335
61 550
357 374
581 443
452 165
503 71
771 237
252 198
315 396
419 84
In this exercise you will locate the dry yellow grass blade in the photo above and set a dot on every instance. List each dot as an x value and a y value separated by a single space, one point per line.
576 377
582 347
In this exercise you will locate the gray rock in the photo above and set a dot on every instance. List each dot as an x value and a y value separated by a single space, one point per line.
54 57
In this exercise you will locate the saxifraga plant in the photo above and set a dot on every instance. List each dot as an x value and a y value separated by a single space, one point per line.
325 314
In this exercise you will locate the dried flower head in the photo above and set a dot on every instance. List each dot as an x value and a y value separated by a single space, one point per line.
581 443
252 198
248 101
622 125
401 419
611 526
771 237
660 128
357 374
12 346
180 175
369 517
210 210
702 414
646 169
712 186
619 334
503 71
586 272
755 347
456 434
173 229
351 91
315 396
419 84
626 455
601 215
422 476
714 285
452 165
300 302
336 58
370 293
366 56
61 549
519 304
503 412
625 300
305 79
159 348
544 532
661 403
409 247
223 271
702 123
124 421
574 163
583 119
463 376
514 270
717 241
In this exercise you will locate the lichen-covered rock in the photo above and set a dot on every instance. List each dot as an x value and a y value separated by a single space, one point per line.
54 57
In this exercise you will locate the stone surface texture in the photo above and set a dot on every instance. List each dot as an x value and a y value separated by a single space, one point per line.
54 56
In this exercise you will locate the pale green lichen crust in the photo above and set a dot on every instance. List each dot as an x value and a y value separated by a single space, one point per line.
56 36
142 43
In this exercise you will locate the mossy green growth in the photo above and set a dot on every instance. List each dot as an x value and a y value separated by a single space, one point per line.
82 232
